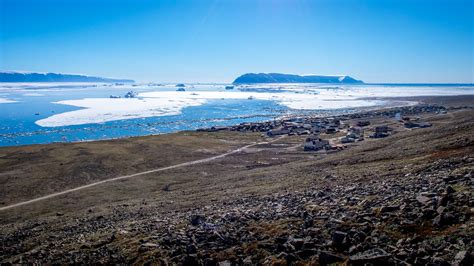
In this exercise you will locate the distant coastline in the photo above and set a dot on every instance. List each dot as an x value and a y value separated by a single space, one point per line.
421 84
12 76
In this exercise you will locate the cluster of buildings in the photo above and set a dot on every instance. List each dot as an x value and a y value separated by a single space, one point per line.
290 126
314 127
307 126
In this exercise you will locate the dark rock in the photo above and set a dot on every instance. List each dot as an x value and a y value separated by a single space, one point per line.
393 208
339 240
297 243
191 249
306 253
197 219
444 219
463 258
290 258
439 261
421 260
450 190
190 260
444 200
210 262
326 257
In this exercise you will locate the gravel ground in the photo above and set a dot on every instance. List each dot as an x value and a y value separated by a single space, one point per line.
403 200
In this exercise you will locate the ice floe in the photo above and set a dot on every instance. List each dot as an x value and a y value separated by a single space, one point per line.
99 110
292 100
5 100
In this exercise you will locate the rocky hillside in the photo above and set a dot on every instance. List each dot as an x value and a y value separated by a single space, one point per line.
406 199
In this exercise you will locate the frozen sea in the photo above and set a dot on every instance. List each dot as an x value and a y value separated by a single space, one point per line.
36 113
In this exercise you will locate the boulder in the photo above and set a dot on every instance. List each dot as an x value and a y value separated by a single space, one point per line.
374 256
326 257
340 240
444 219
392 208
463 258
197 219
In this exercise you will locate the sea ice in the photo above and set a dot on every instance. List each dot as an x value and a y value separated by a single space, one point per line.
161 103
5 100
99 110
303 97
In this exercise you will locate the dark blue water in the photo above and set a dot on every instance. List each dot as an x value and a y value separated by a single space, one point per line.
17 120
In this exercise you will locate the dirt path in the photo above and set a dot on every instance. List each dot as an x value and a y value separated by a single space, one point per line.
205 160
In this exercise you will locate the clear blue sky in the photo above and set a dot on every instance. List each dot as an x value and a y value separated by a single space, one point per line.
215 41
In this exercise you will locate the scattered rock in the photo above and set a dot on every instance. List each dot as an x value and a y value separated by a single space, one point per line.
375 256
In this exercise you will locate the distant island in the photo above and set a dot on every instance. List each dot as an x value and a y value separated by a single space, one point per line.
12 76
290 78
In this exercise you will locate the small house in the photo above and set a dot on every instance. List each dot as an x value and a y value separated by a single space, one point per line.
357 130
347 139
277 132
381 129
381 132
316 144
363 123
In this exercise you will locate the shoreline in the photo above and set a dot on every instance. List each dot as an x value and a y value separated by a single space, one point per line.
407 101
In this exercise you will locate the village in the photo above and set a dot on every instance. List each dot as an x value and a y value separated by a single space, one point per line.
329 134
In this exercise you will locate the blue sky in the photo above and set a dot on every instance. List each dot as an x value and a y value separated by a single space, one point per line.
215 41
